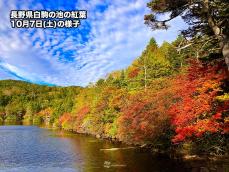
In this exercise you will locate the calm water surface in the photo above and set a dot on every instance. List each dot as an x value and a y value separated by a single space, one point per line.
33 149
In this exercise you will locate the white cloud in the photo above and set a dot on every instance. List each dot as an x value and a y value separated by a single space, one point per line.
117 35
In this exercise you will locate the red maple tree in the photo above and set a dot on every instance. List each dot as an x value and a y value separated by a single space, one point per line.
196 110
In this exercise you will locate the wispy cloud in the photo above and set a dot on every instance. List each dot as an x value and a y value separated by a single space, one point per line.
112 36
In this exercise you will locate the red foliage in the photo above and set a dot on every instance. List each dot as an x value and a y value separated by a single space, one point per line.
196 93
133 73
144 117
81 114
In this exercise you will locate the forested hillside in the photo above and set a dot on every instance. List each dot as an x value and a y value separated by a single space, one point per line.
166 98
25 102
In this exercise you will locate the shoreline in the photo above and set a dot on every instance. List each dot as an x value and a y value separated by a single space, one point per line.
137 147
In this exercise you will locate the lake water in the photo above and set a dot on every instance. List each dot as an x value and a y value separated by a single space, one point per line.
33 149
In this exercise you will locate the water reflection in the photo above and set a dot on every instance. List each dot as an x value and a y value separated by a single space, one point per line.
28 148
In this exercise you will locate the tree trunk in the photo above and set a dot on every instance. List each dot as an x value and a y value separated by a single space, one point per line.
145 77
224 40
225 51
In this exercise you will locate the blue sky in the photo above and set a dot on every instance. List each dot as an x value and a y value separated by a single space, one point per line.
110 39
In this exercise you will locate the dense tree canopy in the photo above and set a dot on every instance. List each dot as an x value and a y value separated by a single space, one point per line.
21 100
207 19
164 98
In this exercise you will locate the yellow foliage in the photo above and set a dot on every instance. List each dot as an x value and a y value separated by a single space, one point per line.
223 98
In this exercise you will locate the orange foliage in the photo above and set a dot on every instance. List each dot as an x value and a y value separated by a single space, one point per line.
45 112
65 118
82 112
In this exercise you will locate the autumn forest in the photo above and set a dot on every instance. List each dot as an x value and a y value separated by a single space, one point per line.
174 97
